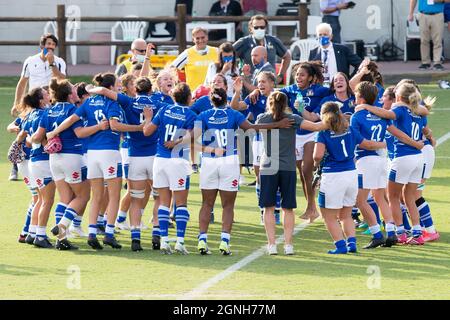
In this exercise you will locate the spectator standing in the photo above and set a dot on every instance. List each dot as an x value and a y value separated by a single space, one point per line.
225 8
196 59
138 49
331 10
37 71
431 26
251 8
258 37
260 64
335 57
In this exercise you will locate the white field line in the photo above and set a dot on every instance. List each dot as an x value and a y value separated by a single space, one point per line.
203 288
442 139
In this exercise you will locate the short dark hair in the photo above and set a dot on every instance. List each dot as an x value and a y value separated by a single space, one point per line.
60 90
105 80
143 85
218 97
182 93
368 91
46 36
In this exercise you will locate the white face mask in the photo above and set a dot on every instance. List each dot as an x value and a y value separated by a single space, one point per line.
259 33
140 58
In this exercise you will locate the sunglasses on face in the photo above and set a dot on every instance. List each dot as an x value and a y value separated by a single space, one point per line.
140 51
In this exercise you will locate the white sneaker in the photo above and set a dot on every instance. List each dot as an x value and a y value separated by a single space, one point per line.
180 248
288 249
272 249
122 225
76 232
165 248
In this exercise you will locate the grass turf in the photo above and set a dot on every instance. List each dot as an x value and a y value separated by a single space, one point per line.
404 272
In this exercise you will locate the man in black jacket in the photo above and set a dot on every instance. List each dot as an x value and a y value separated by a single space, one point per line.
335 57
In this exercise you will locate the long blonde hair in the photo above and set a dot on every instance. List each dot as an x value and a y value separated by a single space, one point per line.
277 105
409 94
333 117
428 101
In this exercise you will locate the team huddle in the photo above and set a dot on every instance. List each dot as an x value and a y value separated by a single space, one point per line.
366 147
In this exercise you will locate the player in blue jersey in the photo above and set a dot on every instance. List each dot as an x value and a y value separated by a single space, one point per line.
372 168
426 220
408 164
165 83
342 94
141 152
104 125
339 182
23 168
266 84
304 99
38 100
204 103
171 169
67 167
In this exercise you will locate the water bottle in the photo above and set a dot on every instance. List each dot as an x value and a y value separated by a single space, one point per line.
299 103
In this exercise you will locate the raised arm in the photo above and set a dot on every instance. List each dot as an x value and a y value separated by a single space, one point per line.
146 67
363 70
20 90
235 103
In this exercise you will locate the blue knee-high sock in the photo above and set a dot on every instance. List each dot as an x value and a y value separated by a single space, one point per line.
163 218
77 221
182 218
121 217
69 216
109 231
424 212
26 226
375 209
59 211
278 201
351 244
156 232
405 217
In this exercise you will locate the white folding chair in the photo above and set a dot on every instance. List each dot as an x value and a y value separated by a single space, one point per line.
71 35
300 52
160 33
130 30
412 32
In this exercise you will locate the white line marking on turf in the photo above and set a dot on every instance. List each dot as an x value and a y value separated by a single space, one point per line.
442 139
201 289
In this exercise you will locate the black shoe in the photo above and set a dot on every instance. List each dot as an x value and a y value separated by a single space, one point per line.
424 66
112 242
252 184
65 244
29 239
374 243
135 245
438 67
22 238
100 230
94 243
156 242
42 243
390 241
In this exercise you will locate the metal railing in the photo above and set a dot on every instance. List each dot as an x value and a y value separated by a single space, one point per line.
180 20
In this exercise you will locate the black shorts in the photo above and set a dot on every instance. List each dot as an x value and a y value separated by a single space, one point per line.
286 181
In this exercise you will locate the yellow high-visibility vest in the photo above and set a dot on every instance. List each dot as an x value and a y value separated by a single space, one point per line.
197 66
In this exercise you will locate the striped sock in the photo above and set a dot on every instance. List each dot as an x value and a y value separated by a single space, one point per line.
135 233
69 215
156 232
405 217
100 220
417 230
400 230
59 211
109 231
121 216
32 230
373 205
26 226
225 236
105 219
425 213
203 236
92 230
77 221
376 231
163 218
182 218
390 229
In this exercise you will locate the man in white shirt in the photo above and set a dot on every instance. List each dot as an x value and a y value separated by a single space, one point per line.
38 70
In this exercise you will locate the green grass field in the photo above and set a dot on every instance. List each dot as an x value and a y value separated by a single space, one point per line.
384 273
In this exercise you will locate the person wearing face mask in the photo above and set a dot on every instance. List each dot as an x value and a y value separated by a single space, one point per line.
260 64
226 66
196 59
138 50
335 57
258 37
